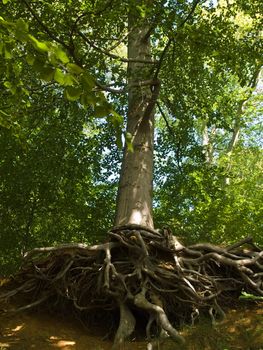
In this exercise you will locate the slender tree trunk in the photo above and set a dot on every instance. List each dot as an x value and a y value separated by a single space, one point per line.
207 142
237 125
134 201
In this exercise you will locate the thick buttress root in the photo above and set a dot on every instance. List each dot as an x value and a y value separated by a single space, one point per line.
141 270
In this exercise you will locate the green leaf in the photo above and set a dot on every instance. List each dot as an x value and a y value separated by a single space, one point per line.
30 59
118 138
10 87
87 81
38 64
72 93
61 55
69 80
5 1
59 76
7 24
17 69
117 121
116 118
4 122
74 68
21 29
8 54
215 53
248 296
88 99
47 73
101 111
38 45
22 25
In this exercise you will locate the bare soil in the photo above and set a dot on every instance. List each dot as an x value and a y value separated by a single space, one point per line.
241 330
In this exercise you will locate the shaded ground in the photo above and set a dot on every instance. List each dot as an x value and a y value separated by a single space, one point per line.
242 330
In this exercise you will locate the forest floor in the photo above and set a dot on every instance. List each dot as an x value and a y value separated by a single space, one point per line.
241 330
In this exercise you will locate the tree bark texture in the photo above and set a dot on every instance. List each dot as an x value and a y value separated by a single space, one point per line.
134 201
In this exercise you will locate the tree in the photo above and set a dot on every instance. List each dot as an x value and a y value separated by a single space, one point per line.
180 47
134 204
205 207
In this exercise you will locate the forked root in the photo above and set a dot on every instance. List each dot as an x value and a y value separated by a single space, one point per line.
158 314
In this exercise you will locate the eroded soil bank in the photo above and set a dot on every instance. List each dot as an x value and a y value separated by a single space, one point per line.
241 330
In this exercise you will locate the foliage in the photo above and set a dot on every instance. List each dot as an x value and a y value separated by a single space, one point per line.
248 296
215 185
208 209
63 91
55 185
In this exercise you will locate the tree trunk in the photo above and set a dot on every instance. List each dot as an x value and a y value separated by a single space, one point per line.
207 142
237 123
134 200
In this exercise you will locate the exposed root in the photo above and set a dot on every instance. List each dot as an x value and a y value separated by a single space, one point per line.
157 313
141 270
126 325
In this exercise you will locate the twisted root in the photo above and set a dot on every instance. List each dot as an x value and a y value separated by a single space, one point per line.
141 269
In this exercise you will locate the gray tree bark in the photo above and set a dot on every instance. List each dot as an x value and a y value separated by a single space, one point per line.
207 142
134 201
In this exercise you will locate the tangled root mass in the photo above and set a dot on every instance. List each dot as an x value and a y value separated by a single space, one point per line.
141 271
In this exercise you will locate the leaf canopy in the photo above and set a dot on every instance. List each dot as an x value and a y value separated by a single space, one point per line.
63 72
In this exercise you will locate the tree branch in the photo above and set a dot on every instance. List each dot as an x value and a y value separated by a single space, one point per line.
69 47
46 29
167 46
138 83
111 55
173 137
165 119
